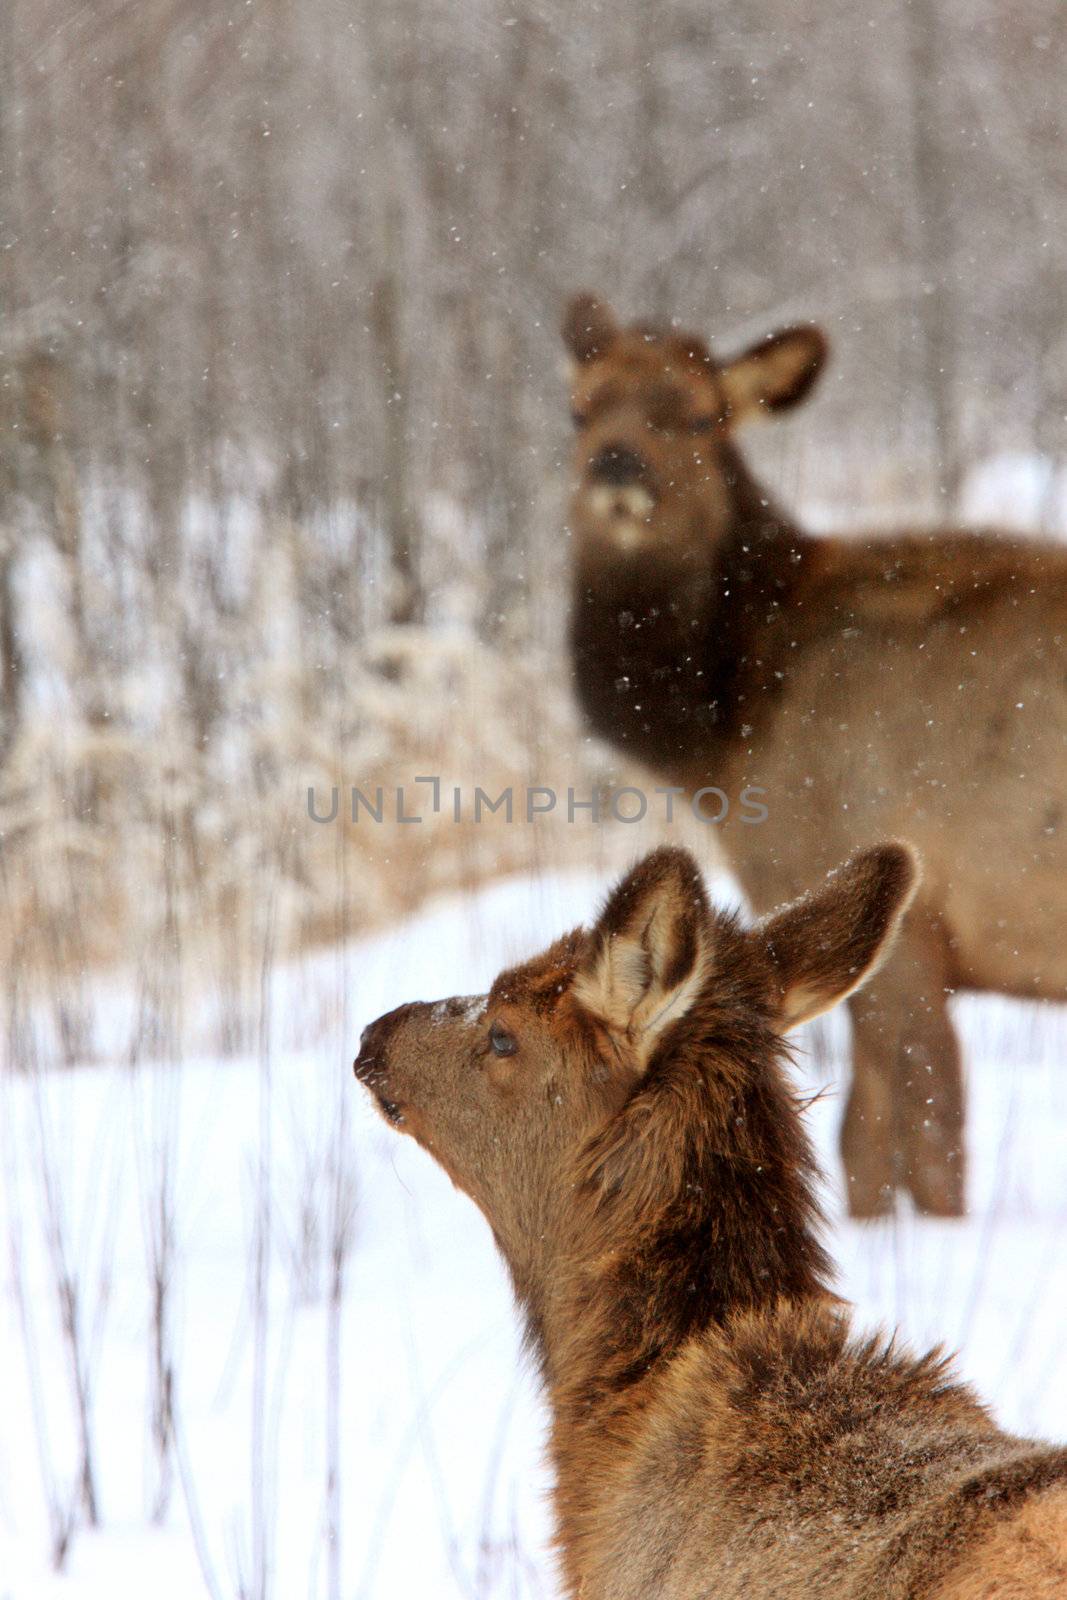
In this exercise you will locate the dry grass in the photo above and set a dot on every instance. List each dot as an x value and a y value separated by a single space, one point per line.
117 843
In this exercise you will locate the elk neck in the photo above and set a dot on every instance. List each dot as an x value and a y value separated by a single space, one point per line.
714 1217
696 1204
677 647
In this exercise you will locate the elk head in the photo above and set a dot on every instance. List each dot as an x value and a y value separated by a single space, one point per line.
654 413
584 1071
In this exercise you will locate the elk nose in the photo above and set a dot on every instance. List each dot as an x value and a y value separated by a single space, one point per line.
370 1053
617 464
371 1062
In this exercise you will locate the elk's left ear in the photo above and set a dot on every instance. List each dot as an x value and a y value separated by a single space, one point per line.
649 952
773 375
589 327
830 942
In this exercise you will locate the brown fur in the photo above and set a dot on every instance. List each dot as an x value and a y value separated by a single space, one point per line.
618 1110
912 685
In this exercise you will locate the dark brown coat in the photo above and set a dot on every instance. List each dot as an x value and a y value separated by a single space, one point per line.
911 685
617 1108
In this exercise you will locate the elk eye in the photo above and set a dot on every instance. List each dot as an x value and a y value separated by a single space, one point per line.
579 418
502 1042
701 424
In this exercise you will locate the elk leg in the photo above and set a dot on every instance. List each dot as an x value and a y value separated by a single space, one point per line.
932 1102
868 1131
904 1121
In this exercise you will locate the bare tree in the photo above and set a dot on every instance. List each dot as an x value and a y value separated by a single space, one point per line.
935 302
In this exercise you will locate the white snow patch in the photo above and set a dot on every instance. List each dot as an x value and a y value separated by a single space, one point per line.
1017 491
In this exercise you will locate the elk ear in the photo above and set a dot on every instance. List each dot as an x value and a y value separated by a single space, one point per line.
773 375
830 942
589 327
649 953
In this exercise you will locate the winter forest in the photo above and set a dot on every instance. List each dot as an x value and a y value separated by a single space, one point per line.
285 452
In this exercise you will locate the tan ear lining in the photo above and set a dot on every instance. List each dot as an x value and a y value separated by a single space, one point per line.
775 374
828 943
649 952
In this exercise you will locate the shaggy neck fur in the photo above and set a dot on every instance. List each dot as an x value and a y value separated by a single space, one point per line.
695 1203
695 1210
677 647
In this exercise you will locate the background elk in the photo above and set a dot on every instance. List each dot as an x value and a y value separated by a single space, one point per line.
912 684
617 1108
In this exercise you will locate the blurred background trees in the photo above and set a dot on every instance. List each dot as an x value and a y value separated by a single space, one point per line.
279 368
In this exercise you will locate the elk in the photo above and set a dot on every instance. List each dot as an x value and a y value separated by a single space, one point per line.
619 1109
907 685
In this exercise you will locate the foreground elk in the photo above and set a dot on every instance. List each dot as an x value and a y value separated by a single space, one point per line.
897 685
618 1109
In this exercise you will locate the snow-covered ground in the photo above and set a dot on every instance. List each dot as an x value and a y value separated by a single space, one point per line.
432 1484
1018 490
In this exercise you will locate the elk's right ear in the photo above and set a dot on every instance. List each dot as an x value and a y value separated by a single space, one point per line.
775 374
649 953
589 327
830 942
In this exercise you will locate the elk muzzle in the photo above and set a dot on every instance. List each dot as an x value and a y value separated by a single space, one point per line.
619 466
372 1065
408 1059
